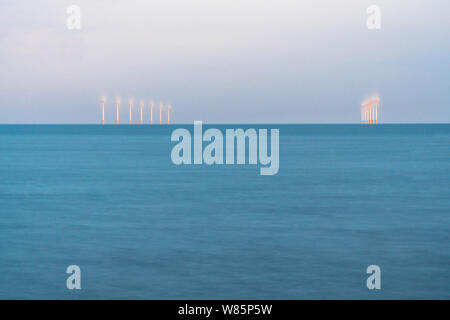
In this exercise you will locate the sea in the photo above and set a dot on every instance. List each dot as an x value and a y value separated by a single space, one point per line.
110 200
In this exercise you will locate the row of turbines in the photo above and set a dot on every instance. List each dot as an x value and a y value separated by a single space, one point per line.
369 110
141 107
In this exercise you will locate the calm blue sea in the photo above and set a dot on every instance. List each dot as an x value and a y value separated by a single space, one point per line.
109 199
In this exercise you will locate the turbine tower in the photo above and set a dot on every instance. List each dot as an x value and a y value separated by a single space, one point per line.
169 107
142 106
160 112
151 112
103 110
130 105
117 110
376 112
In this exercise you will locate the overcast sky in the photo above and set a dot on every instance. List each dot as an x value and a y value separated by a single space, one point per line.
227 61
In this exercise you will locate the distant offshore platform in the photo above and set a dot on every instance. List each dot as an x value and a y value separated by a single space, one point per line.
141 109
369 111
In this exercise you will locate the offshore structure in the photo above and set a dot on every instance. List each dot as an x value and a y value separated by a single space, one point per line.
369 110
141 111
130 104
117 110
103 110
168 113
141 107
152 104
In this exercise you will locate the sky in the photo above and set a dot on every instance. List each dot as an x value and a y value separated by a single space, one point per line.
233 61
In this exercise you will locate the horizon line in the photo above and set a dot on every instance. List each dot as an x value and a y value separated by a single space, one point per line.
226 123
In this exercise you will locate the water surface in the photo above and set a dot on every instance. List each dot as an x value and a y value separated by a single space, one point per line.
109 199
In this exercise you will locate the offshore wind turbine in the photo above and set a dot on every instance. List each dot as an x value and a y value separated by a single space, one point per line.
169 107
130 103
103 110
141 106
117 110
160 112
151 112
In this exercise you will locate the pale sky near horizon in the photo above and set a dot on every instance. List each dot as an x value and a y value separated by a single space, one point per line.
235 61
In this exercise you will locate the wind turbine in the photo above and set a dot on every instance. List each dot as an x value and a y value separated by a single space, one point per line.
117 110
142 106
130 103
160 112
169 107
103 110
151 112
